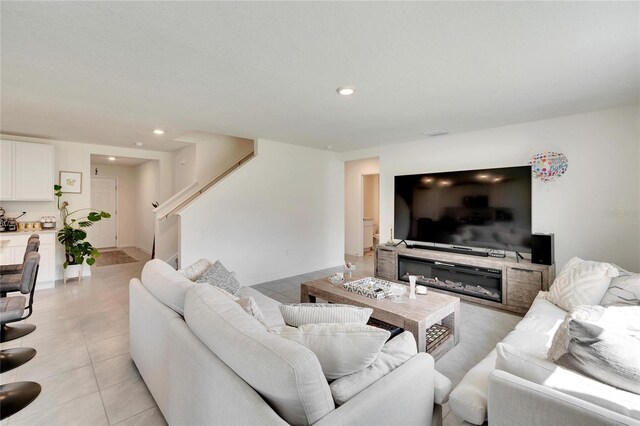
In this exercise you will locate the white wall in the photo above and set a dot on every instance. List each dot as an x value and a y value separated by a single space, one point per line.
604 162
353 172
126 195
280 214
148 177
208 157
74 156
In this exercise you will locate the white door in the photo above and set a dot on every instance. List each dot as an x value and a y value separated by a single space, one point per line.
103 198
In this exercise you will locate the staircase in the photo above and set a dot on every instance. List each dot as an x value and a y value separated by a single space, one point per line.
167 222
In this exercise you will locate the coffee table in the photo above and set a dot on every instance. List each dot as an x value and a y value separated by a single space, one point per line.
413 315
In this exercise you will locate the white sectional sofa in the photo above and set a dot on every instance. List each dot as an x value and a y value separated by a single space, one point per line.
206 361
507 399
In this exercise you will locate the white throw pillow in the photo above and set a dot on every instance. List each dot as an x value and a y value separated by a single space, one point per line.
394 353
545 373
251 307
196 270
298 314
342 349
581 282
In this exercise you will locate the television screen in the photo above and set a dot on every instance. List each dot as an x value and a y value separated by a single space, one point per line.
488 209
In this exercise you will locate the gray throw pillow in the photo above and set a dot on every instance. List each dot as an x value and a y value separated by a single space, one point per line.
623 290
218 276
610 356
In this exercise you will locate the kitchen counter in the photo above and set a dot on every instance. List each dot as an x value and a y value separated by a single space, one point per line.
30 231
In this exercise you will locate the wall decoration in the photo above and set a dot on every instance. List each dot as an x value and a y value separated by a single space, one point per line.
71 182
548 166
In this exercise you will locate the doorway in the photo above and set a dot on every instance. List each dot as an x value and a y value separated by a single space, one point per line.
370 213
103 198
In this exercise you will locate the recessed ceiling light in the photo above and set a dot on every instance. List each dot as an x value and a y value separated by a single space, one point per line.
436 132
158 132
111 158
346 90
138 143
483 176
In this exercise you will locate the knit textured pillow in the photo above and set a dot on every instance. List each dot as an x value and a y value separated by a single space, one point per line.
581 282
218 276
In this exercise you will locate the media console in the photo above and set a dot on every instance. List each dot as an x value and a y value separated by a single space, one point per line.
501 283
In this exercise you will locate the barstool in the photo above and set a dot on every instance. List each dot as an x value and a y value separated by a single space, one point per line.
12 308
16 396
10 275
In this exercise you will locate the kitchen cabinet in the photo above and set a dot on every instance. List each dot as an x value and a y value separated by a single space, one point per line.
13 245
27 171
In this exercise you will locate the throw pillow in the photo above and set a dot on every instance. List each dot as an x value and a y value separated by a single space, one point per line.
610 356
196 270
560 343
552 376
393 354
218 276
315 313
623 290
342 349
581 282
251 307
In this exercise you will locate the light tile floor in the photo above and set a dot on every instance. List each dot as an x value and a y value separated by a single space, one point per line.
88 377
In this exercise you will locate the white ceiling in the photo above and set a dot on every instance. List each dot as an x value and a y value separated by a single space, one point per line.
119 161
110 72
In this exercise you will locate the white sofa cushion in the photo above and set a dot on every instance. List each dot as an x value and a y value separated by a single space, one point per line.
166 284
581 282
546 373
342 349
532 334
196 270
298 314
287 375
394 353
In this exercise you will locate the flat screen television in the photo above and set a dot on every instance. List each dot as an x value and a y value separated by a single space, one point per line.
488 209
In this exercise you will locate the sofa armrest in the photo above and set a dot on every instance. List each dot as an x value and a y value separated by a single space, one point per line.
404 396
515 401
442 386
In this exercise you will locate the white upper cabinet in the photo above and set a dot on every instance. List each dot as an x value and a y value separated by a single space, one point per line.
27 171
6 170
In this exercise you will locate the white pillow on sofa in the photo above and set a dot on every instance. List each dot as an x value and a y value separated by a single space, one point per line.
196 270
581 282
297 314
394 353
342 349
545 373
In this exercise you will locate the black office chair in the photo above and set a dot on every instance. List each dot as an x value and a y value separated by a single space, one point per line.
10 275
12 308
16 396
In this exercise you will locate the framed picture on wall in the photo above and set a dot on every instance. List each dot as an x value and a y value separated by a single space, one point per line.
71 182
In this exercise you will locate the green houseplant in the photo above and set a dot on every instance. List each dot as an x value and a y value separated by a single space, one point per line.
72 236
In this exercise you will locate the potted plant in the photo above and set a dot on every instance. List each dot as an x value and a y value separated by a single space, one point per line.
72 236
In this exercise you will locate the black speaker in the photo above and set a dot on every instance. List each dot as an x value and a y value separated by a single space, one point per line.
542 249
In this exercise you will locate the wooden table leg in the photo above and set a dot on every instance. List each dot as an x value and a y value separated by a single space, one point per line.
305 297
452 321
419 331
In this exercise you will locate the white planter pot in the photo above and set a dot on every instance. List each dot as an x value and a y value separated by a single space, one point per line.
73 271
